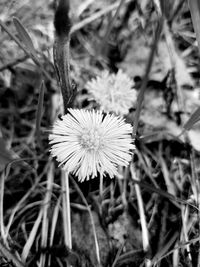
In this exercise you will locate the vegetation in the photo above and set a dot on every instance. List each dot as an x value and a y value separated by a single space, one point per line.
128 192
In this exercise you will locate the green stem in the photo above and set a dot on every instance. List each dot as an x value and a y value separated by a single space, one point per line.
62 66
66 210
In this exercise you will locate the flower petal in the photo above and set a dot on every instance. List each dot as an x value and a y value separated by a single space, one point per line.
86 143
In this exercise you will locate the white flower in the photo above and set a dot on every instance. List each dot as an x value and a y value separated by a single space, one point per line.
113 92
88 142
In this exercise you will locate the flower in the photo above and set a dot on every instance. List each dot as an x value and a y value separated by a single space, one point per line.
88 142
113 92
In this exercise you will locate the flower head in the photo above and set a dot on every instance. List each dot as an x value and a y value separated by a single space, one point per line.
87 142
114 92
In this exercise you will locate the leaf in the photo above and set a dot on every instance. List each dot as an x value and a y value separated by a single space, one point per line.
195 117
24 36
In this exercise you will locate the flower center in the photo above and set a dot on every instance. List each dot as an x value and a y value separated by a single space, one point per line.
91 139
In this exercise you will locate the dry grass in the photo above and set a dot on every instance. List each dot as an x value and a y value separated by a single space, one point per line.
149 216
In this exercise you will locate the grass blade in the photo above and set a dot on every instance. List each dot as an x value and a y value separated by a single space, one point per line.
39 112
9 256
111 23
6 155
32 237
195 117
66 209
194 6
24 36
26 51
146 76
